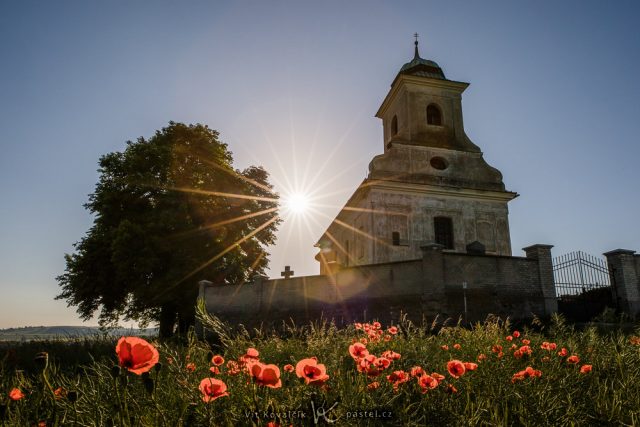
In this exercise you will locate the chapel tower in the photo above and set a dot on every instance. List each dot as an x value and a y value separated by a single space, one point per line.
430 185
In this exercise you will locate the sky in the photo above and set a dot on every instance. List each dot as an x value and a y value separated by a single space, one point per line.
294 86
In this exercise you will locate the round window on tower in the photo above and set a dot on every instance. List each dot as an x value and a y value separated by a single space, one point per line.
439 163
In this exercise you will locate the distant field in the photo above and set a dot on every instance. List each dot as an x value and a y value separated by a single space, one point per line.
31 333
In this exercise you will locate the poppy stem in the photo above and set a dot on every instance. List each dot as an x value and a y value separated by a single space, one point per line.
116 380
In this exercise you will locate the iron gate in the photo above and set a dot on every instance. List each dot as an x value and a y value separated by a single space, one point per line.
584 285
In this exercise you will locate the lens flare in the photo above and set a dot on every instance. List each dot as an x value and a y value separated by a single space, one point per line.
297 203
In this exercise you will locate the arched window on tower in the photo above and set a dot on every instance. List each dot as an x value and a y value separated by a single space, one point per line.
434 117
443 231
394 126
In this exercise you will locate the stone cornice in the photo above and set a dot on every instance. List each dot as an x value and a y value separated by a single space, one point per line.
410 188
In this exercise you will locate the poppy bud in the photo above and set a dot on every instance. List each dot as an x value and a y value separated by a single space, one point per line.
72 396
42 360
115 371
158 367
148 384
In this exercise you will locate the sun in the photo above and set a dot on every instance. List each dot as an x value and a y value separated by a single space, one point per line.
297 203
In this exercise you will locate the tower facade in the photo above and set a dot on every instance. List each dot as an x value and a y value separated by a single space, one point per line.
431 184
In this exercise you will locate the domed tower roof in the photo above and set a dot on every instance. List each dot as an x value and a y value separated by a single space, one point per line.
422 67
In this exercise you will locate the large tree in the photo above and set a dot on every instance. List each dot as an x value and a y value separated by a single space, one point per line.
169 211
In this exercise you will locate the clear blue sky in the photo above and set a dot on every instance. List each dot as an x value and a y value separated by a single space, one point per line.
294 86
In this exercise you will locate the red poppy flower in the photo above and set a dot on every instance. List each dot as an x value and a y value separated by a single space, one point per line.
496 348
372 365
16 394
526 342
470 366
397 378
374 385
549 346
518 376
212 388
533 372
437 376
528 372
217 360
563 352
516 334
393 330
313 372
427 382
482 357
358 351
444 347
289 368
387 338
573 359
266 375
136 354
59 393
456 368
457 346
451 389
524 350
214 370
358 326
376 325
416 371
391 355
382 362
191 367
585 369
509 338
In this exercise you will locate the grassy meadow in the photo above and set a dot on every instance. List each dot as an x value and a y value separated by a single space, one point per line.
492 373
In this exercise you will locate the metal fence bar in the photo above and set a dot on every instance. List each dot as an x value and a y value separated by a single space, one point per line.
576 273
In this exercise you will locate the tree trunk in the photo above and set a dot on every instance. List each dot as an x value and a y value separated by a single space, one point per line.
167 320
186 319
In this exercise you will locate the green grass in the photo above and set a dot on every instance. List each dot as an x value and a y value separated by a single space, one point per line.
608 395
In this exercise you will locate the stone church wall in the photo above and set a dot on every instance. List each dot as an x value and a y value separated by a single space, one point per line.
505 286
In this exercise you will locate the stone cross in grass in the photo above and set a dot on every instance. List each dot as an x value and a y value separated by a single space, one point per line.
287 273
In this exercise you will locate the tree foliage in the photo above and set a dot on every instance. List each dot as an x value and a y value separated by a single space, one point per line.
164 218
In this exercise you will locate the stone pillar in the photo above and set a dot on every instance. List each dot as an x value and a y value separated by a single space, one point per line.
203 285
433 278
542 255
622 267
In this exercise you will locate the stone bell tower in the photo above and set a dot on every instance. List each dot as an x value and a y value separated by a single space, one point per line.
430 185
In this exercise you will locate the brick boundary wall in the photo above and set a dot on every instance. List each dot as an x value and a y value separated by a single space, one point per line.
519 287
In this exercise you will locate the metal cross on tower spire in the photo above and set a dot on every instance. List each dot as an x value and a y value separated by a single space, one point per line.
416 54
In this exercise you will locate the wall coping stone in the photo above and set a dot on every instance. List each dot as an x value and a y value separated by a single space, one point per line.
620 252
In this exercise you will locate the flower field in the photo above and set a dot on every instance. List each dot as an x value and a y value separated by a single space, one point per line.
365 374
